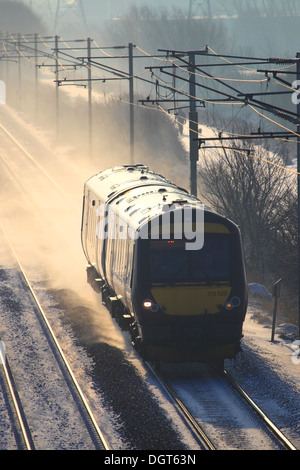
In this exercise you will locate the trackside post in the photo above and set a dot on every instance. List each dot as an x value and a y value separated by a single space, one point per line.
276 295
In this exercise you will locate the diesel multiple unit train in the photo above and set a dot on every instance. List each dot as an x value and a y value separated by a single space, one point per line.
171 270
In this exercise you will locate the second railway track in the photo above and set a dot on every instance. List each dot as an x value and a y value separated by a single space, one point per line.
14 413
51 396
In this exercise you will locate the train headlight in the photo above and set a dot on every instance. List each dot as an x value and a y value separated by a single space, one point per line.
149 305
228 306
232 303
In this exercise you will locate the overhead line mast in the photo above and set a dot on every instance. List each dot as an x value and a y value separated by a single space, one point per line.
65 7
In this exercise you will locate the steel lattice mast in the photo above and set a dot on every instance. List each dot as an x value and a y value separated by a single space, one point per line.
56 12
67 8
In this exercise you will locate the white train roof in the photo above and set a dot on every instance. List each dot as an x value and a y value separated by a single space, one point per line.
138 194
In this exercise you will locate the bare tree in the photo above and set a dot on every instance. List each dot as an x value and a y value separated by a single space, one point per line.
152 28
255 194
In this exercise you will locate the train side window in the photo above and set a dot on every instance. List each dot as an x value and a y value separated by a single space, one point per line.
120 257
90 219
111 254
93 225
83 215
117 263
124 257
131 265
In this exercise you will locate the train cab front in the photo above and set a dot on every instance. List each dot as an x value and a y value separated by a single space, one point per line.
190 304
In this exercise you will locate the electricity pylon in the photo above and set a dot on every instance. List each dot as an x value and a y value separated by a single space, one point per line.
68 10
58 13
196 5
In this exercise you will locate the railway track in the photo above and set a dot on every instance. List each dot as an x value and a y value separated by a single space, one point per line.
15 412
205 442
208 417
87 418
39 167
278 435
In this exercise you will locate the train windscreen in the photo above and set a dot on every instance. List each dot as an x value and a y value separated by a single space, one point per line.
171 263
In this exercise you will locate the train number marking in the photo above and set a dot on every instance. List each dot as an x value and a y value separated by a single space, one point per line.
219 293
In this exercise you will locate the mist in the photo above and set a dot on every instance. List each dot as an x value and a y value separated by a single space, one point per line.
42 225
50 228
268 26
18 17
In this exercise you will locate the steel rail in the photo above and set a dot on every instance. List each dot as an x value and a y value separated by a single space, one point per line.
28 443
270 425
205 441
89 412
37 164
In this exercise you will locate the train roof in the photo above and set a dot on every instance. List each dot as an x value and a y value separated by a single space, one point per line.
138 194
110 183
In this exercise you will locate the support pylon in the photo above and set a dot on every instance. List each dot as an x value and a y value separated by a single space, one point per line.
201 7
67 11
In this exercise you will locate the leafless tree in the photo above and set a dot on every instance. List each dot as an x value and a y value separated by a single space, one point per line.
152 28
249 185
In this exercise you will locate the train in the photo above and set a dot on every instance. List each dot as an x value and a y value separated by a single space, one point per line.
171 271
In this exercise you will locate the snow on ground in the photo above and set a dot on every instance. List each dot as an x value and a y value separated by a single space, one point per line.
270 372
283 353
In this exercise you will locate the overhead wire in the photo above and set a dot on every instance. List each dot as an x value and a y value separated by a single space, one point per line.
225 79
45 44
252 107
247 154
229 61
238 102
274 122
266 160
161 109
174 89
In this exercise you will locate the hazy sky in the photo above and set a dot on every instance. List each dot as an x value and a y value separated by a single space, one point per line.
111 8
269 35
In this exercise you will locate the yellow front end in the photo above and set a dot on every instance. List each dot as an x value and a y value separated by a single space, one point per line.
191 299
